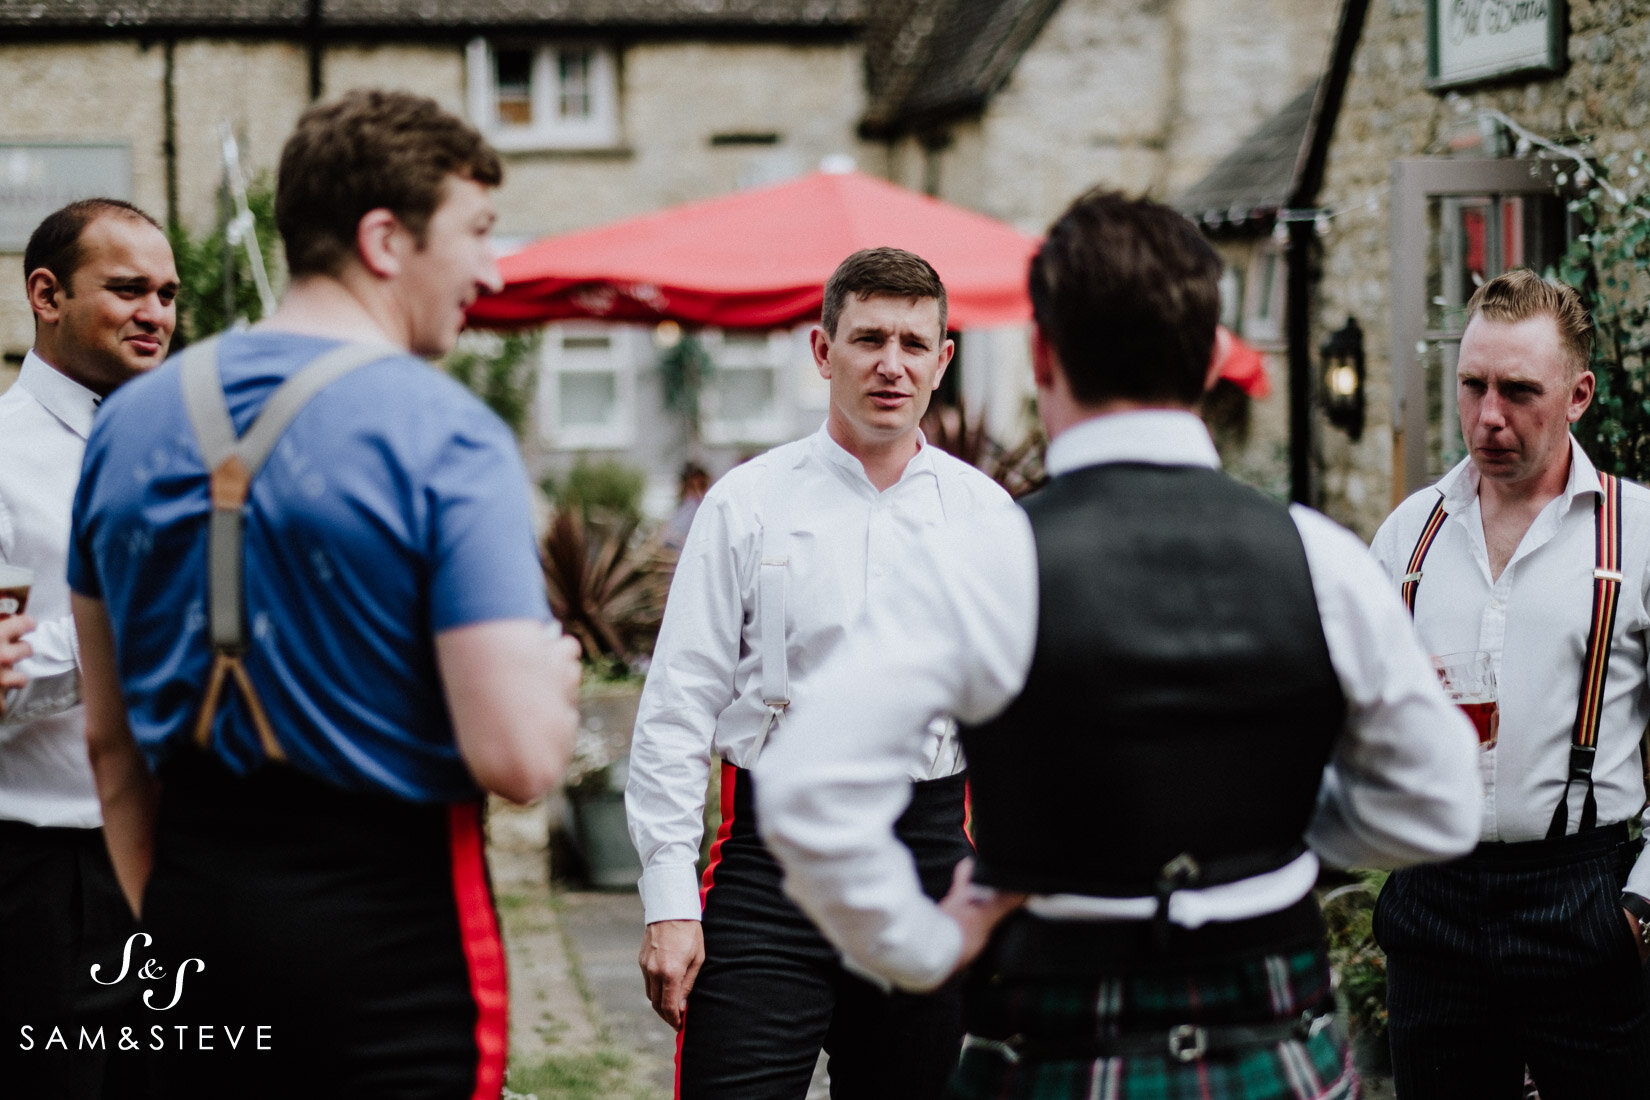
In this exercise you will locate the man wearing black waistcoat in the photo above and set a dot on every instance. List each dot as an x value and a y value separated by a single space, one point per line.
1177 697
1530 951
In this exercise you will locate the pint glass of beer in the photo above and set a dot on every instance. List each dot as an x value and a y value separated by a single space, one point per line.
1469 681
14 589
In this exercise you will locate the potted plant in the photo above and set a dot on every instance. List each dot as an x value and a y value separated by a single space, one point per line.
595 794
1359 968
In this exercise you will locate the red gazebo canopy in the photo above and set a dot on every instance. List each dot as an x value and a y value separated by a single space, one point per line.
760 258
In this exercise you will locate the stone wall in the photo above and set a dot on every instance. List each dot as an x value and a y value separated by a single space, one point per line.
674 98
1602 98
1141 95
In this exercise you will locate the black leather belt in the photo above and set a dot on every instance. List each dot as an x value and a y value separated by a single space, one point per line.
1182 1043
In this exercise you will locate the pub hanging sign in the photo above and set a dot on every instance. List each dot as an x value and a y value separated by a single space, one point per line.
1475 40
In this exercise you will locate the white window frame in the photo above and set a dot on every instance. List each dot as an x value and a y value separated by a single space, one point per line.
620 432
548 130
1263 298
732 352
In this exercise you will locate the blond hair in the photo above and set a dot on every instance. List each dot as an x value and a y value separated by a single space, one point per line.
1520 294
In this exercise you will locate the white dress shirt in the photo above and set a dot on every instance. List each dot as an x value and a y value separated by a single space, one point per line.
1401 786
1534 621
704 690
45 777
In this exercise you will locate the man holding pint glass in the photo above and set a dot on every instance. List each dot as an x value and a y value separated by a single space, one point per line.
1530 951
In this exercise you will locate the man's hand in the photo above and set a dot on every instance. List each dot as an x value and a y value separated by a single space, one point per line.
976 909
1638 939
672 953
12 650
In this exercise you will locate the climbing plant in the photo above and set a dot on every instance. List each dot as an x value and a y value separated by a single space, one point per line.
1608 261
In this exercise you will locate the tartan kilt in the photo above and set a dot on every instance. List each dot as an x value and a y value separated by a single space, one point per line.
1251 989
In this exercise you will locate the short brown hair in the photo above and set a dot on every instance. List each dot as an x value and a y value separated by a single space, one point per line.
1127 294
55 242
1520 294
884 272
366 150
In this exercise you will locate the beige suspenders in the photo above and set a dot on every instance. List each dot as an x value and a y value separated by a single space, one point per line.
773 569
233 463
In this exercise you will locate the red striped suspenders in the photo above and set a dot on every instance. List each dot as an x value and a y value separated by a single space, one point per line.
1596 664
1412 575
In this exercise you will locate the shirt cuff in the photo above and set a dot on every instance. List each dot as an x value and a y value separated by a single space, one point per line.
670 891
926 960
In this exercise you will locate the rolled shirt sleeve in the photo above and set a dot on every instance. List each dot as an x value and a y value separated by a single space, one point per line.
835 775
1402 786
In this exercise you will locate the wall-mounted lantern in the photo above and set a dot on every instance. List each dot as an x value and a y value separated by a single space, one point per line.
1343 378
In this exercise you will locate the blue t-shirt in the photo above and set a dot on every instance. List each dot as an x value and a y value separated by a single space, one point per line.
394 507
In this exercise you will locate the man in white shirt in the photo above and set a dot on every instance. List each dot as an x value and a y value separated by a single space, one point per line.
782 554
1531 951
1177 697
102 286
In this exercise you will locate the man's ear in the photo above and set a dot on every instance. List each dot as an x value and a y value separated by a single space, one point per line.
46 295
1217 357
820 344
1043 360
378 242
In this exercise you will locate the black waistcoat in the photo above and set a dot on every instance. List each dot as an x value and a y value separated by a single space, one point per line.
1180 698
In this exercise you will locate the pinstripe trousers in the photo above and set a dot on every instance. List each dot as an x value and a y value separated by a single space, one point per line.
1517 955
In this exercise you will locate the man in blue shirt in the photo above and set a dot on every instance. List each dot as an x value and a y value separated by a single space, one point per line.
305 846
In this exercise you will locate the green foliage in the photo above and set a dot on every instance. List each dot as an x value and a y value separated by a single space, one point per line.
607 585
499 369
600 488
1609 263
684 369
582 1075
204 306
1357 961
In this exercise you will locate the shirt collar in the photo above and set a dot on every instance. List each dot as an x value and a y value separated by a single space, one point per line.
837 455
1460 485
61 395
1161 437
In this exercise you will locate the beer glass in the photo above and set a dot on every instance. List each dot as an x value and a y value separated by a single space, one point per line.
1469 681
14 589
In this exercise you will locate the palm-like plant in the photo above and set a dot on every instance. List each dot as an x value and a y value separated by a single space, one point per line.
606 586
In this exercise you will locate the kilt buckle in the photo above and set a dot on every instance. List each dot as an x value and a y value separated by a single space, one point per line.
1188 1043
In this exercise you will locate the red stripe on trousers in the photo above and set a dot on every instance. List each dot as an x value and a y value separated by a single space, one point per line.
483 948
729 774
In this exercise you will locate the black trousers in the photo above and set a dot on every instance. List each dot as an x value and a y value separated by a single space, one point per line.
61 913
1518 954
348 942
773 993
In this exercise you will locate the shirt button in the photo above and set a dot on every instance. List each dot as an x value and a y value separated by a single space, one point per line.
1495 605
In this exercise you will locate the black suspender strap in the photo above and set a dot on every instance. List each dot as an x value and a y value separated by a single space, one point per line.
1596 665
233 462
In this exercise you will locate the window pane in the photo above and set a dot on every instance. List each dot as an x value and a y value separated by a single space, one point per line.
514 80
575 94
588 399
745 394
587 345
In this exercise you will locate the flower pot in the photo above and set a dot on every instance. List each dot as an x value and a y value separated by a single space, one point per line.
603 838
